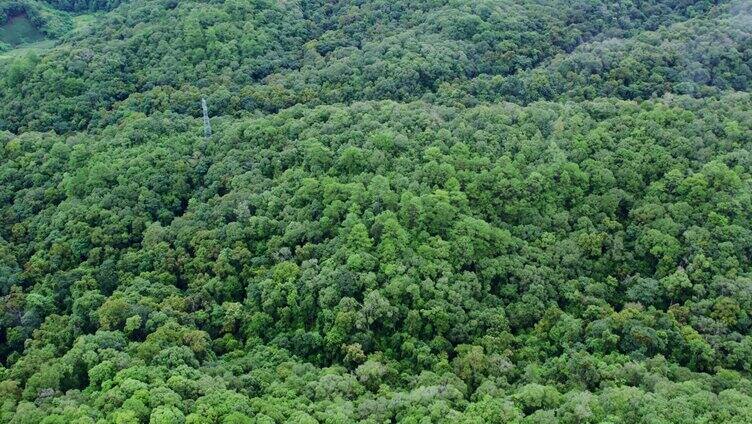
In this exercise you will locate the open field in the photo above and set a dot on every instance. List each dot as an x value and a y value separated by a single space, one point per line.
20 33
19 30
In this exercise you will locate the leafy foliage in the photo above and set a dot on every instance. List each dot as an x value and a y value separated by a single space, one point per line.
383 227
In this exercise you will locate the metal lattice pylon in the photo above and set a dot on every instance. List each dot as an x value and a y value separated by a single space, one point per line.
207 124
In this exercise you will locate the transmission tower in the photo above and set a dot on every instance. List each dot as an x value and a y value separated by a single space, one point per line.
207 124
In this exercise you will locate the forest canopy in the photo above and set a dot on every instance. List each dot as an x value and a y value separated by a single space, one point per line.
499 211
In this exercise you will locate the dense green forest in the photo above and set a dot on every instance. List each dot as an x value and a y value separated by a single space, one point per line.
413 211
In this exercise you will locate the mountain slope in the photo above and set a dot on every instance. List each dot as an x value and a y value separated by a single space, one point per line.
513 212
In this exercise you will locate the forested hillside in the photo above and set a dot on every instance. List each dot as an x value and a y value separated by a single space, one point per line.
496 211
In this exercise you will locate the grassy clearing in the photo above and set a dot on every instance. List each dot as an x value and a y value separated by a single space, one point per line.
19 30
39 45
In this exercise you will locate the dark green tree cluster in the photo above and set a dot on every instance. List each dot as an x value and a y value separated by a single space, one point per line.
700 57
84 5
265 55
377 232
